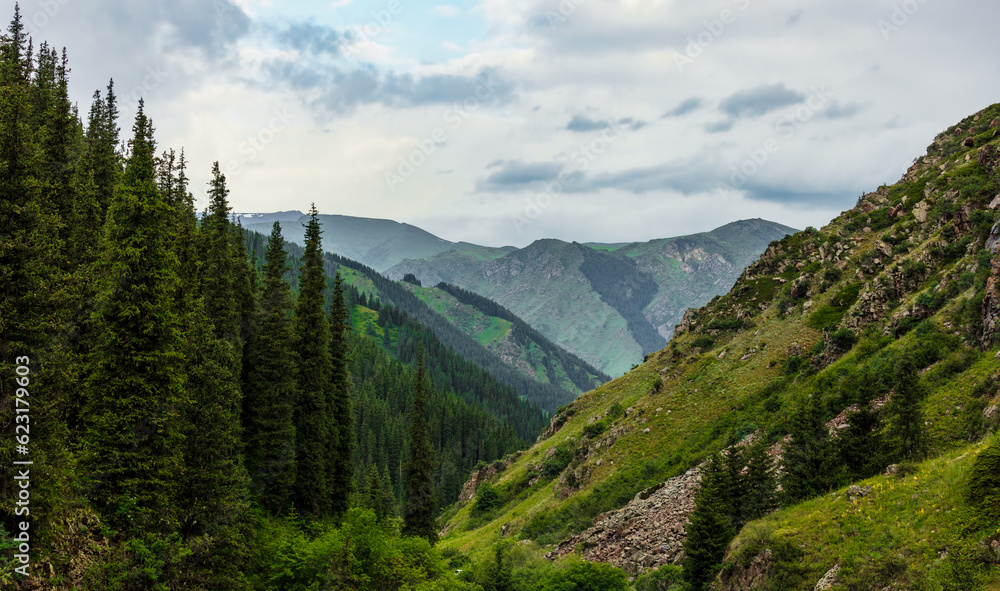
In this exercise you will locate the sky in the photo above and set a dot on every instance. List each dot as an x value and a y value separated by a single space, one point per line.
500 122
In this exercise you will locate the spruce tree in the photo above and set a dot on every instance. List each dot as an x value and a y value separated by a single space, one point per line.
906 432
219 271
270 389
342 463
134 444
709 529
312 424
418 513
810 458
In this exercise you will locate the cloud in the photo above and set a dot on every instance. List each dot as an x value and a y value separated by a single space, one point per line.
760 100
312 39
837 110
632 123
516 175
447 11
689 105
719 126
583 124
339 90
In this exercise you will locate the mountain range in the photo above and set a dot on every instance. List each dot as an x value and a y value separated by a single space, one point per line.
609 304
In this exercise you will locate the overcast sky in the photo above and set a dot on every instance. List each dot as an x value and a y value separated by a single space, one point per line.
504 121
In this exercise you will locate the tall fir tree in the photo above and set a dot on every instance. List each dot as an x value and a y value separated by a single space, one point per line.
342 464
135 391
270 390
219 272
313 440
906 434
213 495
418 513
810 459
709 527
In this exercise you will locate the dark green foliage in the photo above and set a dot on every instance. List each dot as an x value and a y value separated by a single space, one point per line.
341 464
984 483
829 316
438 332
844 339
810 457
418 512
736 487
907 436
580 575
487 499
135 389
557 462
377 494
312 423
270 389
668 577
213 495
709 528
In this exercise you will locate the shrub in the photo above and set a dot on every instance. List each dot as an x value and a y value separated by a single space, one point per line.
984 483
487 499
844 339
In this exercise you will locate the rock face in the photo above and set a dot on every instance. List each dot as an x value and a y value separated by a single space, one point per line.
646 533
991 307
484 474
829 579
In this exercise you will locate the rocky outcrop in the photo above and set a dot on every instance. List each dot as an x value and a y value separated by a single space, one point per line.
991 308
645 534
485 474
829 579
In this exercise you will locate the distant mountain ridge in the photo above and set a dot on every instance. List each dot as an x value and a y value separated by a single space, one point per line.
609 304
374 242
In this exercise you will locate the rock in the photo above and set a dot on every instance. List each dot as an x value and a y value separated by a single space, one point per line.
921 210
794 349
892 469
645 534
829 579
969 142
855 492
991 411
484 474
995 203
994 238
646 430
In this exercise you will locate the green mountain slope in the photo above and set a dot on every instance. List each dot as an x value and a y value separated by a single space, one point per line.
377 243
510 338
609 304
883 327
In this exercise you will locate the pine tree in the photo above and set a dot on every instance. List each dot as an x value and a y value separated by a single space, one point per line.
906 433
219 270
418 513
709 529
134 452
810 458
342 463
213 498
270 388
313 440
861 445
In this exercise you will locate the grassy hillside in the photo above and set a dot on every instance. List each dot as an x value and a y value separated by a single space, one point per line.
510 338
608 303
901 286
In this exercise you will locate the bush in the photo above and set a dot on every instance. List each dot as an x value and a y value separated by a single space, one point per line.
984 483
844 339
487 499
665 578
794 364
